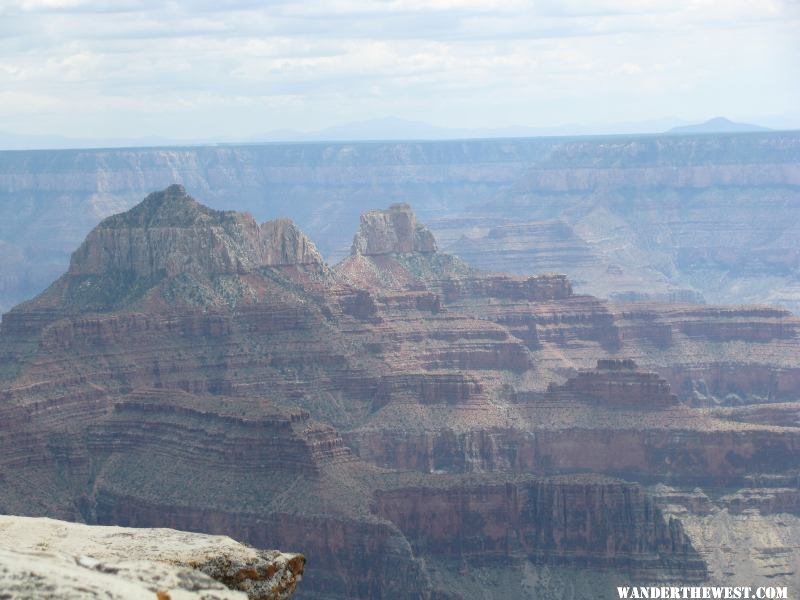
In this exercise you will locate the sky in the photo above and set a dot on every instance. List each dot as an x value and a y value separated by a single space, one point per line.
235 68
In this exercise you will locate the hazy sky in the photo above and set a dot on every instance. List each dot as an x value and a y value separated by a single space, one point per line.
200 68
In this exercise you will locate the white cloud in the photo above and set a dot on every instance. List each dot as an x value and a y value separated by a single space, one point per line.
630 69
458 62
13 104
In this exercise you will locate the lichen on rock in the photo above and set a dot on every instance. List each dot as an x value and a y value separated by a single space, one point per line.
45 558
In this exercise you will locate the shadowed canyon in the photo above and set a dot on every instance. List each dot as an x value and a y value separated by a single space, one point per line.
415 423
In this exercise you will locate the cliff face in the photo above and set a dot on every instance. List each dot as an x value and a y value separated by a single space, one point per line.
567 522
401 419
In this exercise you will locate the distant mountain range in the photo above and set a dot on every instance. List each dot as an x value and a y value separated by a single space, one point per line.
393 128
718 125
389 128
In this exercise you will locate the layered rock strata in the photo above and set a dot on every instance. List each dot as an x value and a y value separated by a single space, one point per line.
567 521
618 384
237 385
149 240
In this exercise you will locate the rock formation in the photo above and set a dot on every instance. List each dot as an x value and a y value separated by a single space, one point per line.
708 217
554 245
392 251
415 427
285 245
171 233
171 248
618 383
536 519
392 231
46 558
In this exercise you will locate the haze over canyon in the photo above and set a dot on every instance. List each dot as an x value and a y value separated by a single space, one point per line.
689 217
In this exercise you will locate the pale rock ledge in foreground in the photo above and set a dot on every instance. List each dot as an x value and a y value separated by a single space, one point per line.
44 558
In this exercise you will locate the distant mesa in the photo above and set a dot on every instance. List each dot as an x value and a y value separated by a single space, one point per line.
718 125
524 247
618 383
392 231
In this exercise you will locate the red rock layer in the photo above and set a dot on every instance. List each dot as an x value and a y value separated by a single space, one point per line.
562 521
209 401
618 384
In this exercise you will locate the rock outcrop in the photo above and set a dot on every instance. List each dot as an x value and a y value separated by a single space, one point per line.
44 558
283 244
392 231
44 574
391 251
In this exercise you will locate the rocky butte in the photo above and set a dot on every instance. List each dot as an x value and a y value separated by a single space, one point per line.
417 428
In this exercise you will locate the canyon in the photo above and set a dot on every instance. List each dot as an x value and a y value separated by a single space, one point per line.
416 427
677 218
